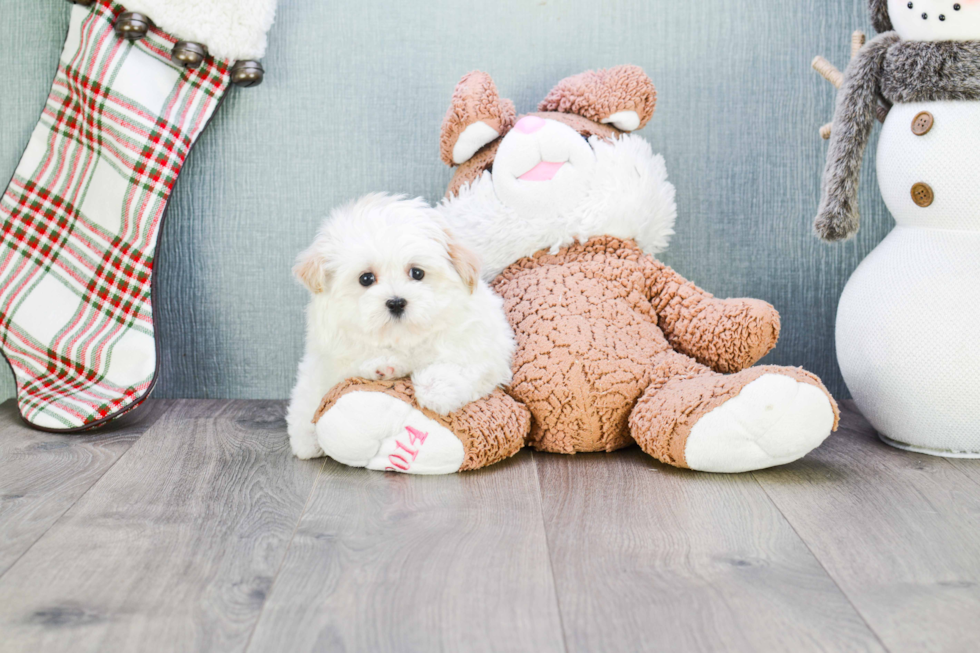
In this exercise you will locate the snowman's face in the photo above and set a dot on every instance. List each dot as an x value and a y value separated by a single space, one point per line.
936 20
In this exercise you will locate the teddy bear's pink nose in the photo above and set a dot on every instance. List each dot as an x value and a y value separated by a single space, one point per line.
529 124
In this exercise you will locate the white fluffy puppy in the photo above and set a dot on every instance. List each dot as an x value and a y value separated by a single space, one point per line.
394 295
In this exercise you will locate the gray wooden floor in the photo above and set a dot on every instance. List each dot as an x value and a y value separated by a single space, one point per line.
190 527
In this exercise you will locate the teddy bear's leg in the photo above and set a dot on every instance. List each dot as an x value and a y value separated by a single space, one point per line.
379 425
761 417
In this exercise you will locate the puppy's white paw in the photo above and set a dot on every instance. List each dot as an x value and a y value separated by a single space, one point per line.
380 432
382 368
441 388
303 442
774 420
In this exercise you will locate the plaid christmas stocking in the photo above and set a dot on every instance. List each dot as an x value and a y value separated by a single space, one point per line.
80 218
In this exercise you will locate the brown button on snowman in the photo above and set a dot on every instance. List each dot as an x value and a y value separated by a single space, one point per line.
922 123
907 320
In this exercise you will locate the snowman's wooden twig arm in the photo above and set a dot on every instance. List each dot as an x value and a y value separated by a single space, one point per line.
830 72
838 217
858 39
727 335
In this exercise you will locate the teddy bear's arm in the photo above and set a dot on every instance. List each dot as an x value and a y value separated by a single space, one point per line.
727 335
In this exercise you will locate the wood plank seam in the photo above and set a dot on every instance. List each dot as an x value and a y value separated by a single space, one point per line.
959 470
285 554
551 562
640 547
240 446
155 420
826 571
896 531
64 512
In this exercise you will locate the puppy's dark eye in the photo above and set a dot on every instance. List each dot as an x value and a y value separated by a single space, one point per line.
417 273
367 279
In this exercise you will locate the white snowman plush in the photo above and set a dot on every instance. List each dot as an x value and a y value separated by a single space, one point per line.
909 317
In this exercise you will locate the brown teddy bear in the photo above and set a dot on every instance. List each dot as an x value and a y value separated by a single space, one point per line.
566 208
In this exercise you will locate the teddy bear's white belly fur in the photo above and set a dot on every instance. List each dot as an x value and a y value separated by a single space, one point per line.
908 339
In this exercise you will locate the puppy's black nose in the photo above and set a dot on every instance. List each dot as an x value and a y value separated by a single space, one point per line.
396 306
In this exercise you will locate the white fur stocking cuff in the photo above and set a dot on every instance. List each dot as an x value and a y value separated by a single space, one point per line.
231 29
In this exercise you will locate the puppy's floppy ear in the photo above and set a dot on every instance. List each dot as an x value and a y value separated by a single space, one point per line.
464 260
477 116
310 270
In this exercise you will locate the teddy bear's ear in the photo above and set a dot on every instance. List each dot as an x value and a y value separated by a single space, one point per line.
623 97
476 117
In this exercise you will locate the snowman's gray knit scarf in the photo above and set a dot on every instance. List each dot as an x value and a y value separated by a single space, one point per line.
898 71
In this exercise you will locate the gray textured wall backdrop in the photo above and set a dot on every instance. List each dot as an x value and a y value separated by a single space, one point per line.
352 103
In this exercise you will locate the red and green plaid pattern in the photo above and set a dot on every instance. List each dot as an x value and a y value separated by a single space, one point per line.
80 218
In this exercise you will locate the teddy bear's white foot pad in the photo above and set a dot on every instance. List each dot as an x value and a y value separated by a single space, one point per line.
774 420
380 432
